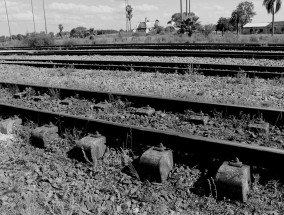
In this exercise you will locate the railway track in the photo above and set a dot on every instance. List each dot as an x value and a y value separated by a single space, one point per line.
163 67
221 149
175 140
202 147
193 46
271 115
213 54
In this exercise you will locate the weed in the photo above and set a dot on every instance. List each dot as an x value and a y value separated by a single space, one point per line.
212 188
54 93
30 91
191 73
13 89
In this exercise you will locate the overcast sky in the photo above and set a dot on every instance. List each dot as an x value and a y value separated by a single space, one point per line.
109 14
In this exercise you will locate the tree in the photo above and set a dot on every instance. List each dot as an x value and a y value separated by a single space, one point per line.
272 6
189 25
79 32
242 15
129 14
248 13
60 26
208 29
177 18
223 25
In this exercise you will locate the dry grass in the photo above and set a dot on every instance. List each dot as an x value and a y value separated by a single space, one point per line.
162 38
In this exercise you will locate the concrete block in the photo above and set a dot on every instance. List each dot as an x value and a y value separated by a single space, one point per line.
146 111
259 127
44 136
8 126
198 119
20 95
232 181
93 146
155 164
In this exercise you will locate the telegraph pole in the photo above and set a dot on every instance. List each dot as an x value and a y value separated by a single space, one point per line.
181 10
188 7
44 17
186 14
8 20
33 15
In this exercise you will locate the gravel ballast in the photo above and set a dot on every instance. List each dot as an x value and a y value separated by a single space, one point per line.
232 128
237 61
191 86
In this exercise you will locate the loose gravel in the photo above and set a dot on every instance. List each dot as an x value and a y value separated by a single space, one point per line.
191 86
237 61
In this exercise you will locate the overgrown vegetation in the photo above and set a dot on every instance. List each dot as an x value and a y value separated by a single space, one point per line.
35 40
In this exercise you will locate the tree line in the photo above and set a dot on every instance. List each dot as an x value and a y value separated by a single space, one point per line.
244 13
78 32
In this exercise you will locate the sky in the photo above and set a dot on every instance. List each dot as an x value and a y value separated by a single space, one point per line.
110 14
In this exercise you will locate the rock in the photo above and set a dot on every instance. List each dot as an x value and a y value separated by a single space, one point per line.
145 111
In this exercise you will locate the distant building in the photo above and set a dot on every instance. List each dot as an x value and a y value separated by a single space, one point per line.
145 26
263 28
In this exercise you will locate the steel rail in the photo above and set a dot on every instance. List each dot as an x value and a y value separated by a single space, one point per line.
214 54
249 46
156 47
272 115
235 67
163 67
252 155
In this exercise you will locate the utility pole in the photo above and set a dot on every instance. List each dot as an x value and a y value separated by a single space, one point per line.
188 7
33 15
186 14
8 20
44 17
181 10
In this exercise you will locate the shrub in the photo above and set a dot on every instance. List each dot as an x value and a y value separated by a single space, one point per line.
253 38
35 40
138 34
169 29
70 42
148 39
160 30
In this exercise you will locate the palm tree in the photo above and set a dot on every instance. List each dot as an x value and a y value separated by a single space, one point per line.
8 20
44 16
129 14
126 3
33 15
272 6
60 26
